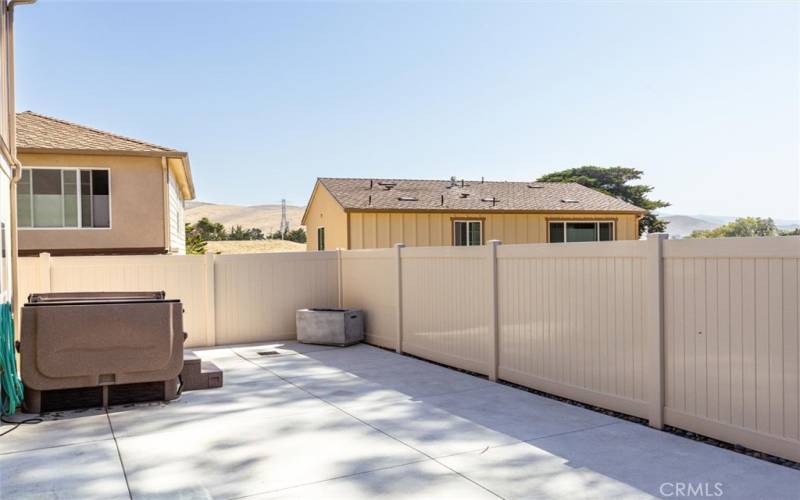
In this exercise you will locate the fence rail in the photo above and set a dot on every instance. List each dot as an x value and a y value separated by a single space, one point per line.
696 334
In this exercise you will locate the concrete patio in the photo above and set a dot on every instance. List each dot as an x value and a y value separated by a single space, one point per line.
362 422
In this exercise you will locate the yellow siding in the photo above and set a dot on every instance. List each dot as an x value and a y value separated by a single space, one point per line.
324 211
384 229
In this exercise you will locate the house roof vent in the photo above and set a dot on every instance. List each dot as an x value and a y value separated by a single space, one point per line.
535 186
407 198
569 200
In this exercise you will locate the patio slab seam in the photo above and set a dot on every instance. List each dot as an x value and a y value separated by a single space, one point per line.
378 430
119 456
53 447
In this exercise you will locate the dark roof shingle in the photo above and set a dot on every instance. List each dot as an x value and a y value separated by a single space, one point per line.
35 131
407 194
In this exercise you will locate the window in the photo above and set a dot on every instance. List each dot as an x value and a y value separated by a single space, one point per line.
72 198
570 232
467 233
320 238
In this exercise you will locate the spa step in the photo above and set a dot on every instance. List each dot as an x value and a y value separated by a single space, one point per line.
198 374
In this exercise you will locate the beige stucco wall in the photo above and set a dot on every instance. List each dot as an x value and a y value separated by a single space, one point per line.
381 229
137 206
324 211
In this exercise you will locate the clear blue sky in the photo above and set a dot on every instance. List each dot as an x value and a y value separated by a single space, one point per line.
705 98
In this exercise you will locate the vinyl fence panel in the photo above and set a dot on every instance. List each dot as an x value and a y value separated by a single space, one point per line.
257 295
572 321
180 276
446 305
731 340
369 283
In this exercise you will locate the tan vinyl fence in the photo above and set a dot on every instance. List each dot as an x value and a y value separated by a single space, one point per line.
227 299
731 340
572 321
369 279
256 295
180 276
696 334
446 306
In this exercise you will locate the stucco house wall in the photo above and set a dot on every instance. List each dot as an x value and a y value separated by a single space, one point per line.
324 211
137 208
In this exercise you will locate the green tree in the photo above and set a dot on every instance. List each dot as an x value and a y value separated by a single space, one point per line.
791 232
740 228
239 233
614 181
195 245
297 235
209 231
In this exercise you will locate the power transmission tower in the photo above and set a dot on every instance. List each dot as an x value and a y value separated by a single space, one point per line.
284 220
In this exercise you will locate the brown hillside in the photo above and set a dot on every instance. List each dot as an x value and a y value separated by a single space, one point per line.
265 217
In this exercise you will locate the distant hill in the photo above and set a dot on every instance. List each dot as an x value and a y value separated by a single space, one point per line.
254 246
683 225
265 217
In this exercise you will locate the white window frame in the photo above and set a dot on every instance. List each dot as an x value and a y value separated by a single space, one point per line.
577 221
80 208
468 222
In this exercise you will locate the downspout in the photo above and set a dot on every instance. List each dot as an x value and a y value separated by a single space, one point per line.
12 139
165 190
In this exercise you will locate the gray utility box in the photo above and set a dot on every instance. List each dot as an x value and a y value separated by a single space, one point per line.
340 327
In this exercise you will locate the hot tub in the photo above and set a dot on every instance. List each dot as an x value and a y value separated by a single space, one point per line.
339 327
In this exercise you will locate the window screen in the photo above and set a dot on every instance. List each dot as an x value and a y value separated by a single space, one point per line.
48 204
467 233
606 231
556 232
581 231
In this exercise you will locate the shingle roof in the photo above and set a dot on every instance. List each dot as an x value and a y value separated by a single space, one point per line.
406 194
35 131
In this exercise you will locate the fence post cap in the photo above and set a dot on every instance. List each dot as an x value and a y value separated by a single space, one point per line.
494 242
399 245
657 236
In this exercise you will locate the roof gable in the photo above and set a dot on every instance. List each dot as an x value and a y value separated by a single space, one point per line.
40 132
473 196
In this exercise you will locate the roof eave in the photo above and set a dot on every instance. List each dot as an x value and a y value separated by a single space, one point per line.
491 210
102 152
187 169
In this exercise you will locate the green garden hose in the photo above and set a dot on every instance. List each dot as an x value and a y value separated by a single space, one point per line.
11 384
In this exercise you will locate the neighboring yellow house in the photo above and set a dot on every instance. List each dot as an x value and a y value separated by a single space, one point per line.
88 192
378 213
